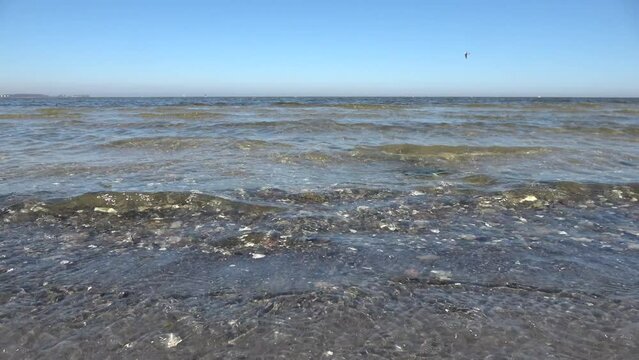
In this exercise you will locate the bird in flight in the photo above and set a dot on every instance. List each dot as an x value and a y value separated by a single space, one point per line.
466 55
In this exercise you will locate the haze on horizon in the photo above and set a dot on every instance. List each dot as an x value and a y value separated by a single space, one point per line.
323 48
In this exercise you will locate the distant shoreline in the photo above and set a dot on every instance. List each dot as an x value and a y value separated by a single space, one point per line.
39 96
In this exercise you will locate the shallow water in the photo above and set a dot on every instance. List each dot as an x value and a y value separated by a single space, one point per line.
319 227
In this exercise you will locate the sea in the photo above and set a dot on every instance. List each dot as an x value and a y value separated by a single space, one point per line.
319 228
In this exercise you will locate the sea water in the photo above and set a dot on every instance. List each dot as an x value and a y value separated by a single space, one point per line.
319 227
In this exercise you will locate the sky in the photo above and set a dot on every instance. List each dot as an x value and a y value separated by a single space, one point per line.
320 48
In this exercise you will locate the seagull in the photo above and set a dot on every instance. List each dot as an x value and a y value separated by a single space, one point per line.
466 55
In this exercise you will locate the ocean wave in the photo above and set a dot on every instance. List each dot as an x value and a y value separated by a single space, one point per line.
253 144
302 125
536 106
45 113
408 153
346 106
532 194
628 112
483 116
324 125
259 217
568 192
122 203
163 143
604 131
174 143
445 152
313 157
518 195
488 124
185 115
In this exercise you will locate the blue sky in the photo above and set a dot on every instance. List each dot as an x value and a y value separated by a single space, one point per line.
300 48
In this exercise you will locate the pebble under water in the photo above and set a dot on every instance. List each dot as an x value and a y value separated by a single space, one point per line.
310 228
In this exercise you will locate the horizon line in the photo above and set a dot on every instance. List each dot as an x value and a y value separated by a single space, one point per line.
41 95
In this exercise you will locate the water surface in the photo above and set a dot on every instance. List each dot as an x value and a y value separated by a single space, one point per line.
319 227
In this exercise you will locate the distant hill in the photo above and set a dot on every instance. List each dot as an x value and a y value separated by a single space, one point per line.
24 96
